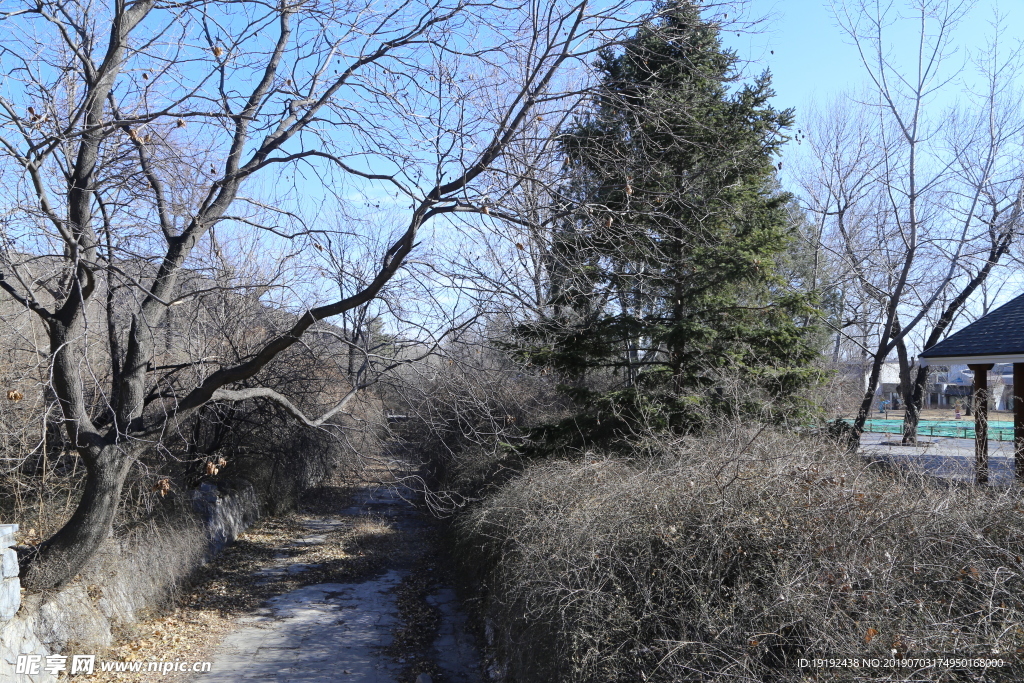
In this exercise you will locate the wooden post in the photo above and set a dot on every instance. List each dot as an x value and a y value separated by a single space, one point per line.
1018 419
981 421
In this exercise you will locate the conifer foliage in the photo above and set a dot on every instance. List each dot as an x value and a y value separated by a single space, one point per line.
663 276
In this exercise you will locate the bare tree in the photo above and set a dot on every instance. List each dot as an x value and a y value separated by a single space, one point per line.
988 168
129 132
916 205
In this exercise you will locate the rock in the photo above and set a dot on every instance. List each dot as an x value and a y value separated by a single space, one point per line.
424 678
70 616
10 598
17 637
226 513
9 564
7 532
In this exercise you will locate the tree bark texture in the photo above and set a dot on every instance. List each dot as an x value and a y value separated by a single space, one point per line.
980 397
68 551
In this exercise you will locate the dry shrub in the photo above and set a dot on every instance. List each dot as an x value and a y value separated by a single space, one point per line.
463 408
729 558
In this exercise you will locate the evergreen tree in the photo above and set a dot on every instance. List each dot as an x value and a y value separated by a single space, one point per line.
666 273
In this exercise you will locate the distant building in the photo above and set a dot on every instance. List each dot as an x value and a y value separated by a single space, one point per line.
947 385
888 384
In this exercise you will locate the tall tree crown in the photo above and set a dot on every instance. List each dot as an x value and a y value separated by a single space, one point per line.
666 271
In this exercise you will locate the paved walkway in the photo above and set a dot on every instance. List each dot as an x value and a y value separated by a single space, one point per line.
951 459
337 631
326 632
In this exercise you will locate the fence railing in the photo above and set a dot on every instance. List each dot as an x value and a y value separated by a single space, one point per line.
997 432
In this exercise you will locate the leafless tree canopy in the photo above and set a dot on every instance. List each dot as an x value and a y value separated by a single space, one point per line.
139 138
915 203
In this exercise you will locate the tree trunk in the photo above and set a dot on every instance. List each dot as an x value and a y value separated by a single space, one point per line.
912 416
68 551
906 387
869 398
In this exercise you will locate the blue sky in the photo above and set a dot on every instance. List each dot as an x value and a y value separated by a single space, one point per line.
813 60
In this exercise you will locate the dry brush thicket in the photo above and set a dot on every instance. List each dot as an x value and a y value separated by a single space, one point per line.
251 441
158 538
731 556
462 409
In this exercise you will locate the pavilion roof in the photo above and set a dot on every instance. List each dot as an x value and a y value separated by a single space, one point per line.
997 337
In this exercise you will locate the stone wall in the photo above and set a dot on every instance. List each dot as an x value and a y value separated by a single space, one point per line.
10 587
226 510
17 631
125 578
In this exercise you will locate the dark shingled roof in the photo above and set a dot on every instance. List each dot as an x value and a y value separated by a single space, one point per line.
999 333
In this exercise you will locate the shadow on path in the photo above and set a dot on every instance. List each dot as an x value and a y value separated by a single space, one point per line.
951 460
346 632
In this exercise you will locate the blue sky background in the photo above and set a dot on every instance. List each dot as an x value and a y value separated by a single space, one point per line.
815 60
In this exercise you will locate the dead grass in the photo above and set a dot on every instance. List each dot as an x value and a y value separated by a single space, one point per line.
729 558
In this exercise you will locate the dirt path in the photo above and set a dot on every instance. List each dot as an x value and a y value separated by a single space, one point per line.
400 625
346 589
